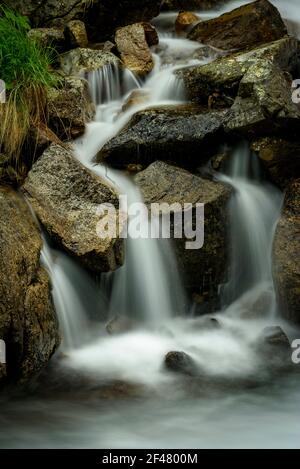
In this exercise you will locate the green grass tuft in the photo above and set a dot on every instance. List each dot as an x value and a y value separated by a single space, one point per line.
25 67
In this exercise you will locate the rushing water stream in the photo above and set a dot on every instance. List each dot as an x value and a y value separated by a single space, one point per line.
147 289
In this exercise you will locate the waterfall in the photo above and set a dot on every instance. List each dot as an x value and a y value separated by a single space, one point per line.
75 296
110 83
148 286
80 400
254 209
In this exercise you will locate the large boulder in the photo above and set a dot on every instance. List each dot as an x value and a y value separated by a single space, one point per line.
203 269
133 48
286 266
183 134
101 17
81 61
28 322
223 76
66 197
250 25
264 105
69 108
280 157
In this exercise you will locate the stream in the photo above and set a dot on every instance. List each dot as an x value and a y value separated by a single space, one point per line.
163 410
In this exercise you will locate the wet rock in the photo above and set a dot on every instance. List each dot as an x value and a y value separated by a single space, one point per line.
69 108
183 134
66 196
134 50
286 248
250 25
184 22
75 34
49 37
280 157
264 105
180 362
28 322
101 17
222 77
80 61
202 269
119 325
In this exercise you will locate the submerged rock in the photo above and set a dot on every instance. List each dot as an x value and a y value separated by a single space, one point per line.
66 196
101 17
69 108
247 26
134 49
181 362
280 157
28 322
184 134
223 76
80 61
286 248
202 269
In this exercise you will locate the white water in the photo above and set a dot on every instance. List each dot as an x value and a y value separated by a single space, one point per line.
170 417
148 287
253 212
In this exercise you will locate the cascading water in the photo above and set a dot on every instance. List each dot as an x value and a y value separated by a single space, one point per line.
253 212
170 417
74 294
110 83
148 288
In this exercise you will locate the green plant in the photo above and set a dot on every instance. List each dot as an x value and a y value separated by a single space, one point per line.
25 69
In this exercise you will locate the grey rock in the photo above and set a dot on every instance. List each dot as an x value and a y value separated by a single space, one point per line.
82 60
182 134
65 196
223 76
69 108
202 269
